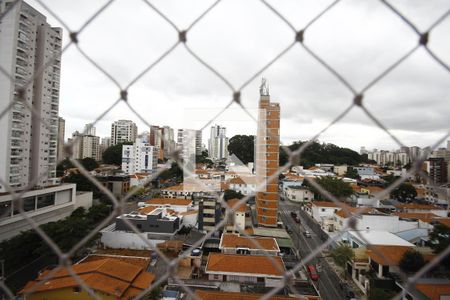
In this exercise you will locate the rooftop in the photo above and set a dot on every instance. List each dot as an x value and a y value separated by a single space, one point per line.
245 264
218 295
229 240
233 204
169 201
379 237
418 206
387 255
111 276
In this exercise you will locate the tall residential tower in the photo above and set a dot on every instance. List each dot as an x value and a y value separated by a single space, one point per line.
266 158
28 146
218 143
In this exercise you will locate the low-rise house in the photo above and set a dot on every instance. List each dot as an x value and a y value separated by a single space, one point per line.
155 225
119 185
340 170
299 194
255 269
107 278
290 179
244 185
236 244
322 210
367 173
422 208
240 218
219 295
178 205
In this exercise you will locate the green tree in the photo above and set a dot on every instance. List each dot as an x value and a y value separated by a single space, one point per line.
341 255
352 173
333 185
113 154
174 172
63 166
243 147
89 163
439 240
411 261
404 192
231 194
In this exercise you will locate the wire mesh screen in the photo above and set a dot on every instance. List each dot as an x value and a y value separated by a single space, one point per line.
300 36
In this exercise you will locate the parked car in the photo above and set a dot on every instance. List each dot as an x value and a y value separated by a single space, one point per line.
312 272
293 215
307 234
297 220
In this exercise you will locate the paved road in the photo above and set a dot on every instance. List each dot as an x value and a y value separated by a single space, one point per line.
328 283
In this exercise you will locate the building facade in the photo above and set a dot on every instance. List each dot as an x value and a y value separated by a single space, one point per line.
28 148
267 158
218 143
86 145
123 131
140 157
61 138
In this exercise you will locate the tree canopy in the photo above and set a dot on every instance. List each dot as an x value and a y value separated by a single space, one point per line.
411 261
333 185
323 153
243 147
231 194
404 192
352 173
113 154
440 240
341 255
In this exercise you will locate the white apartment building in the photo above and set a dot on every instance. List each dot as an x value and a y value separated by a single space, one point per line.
61 138
140 157
28 149
123 131
218 143
85 145
189 142
383 157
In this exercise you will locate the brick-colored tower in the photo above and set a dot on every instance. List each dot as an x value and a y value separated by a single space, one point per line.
267 158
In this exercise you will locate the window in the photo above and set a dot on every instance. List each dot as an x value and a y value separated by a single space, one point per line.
323 209
76 289
45 200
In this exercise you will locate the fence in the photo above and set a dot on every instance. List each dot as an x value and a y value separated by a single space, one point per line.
300 38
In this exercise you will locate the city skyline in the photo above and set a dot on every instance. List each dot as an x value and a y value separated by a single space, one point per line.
397 100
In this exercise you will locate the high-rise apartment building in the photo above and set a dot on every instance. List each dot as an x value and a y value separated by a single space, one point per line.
123 131
141 157
163 138
61 139
189 143
267 159
218 143
89 129
437 171
28 148
86 145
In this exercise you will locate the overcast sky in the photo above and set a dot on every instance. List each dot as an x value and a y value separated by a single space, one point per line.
359 39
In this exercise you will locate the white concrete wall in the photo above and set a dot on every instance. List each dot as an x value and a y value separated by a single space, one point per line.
318 214
127 240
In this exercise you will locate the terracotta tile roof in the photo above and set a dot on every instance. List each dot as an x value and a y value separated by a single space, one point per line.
229 240
148 209
169 201
136 261
292 176
233 204
224 186
434 291
424 217
110 276
349 211
326 204
189 212
246 264
201 171
444 221
418 206
218 295
243 180
386 255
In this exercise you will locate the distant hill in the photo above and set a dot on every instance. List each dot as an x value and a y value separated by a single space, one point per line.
323 153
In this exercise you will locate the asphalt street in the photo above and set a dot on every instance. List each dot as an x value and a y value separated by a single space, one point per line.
328 283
